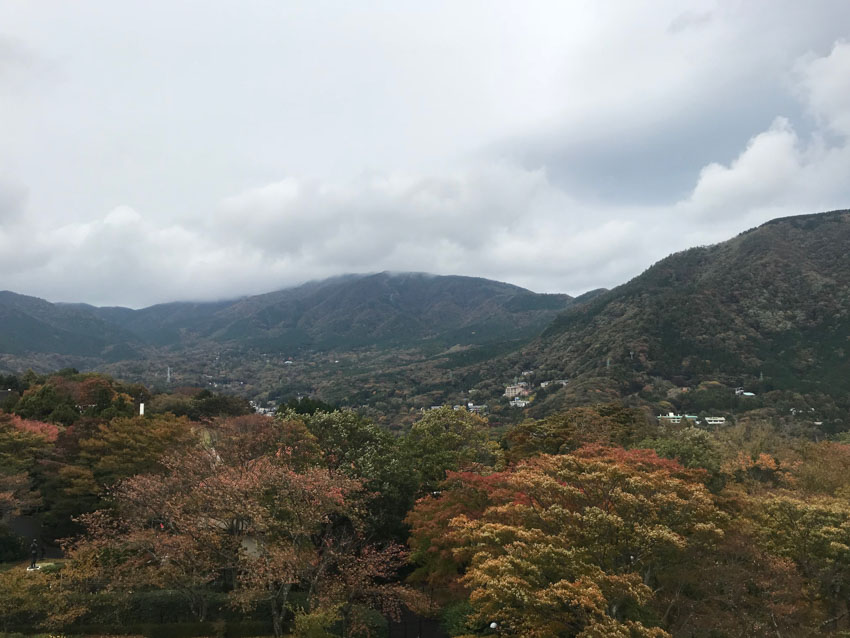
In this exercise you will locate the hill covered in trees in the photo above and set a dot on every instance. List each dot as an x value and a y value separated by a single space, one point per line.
382 310
768 310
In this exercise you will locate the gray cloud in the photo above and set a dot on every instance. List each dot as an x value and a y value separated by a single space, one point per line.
12 200
561 152
689 20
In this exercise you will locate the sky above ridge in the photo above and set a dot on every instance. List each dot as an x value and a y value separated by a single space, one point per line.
184 150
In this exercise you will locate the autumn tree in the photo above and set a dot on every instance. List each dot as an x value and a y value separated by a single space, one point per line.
236 511
739 588
564 432
23 444
38 599
573 544
126 446
93 455
824 468
813 532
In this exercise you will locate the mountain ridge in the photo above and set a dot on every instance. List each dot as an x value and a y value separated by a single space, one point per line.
345 311
769 308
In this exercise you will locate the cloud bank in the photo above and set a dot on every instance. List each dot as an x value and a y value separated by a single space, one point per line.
517 207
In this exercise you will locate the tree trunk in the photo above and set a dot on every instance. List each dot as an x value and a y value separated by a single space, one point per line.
278 605
199 607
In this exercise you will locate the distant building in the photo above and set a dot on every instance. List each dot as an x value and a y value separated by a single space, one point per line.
519 403
476 409
544 384
517 390
677 418
715 420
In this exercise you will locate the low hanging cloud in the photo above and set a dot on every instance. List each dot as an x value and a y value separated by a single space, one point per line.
494 218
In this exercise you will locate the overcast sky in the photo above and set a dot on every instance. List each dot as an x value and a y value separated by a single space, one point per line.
154 151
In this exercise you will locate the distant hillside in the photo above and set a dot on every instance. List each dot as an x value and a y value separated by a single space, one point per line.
770 308
32 325
384 310
351 311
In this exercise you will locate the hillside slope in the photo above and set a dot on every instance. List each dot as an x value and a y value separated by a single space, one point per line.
770 307
32 325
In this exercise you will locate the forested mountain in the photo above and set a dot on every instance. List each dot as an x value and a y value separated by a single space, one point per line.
32 325
769 309
343 312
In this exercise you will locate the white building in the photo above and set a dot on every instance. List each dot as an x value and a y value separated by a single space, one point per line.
677 418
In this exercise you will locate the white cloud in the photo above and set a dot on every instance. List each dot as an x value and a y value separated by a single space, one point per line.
825 87
762 174
196 176
780 173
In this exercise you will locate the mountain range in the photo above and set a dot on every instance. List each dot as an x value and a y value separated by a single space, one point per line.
768 310
351 311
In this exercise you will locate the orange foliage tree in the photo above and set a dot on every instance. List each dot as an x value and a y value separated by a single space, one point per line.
236 510
567 545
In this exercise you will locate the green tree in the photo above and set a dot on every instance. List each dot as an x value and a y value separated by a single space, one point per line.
448 440
357 447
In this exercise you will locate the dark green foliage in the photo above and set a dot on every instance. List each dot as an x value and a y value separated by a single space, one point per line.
360 448
12 546
306 405
208 405
445 439
693 448
713 398
44 402
203 405
13 382
161 607
373 623
455 618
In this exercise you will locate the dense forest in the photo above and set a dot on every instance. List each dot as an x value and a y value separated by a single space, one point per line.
201 517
